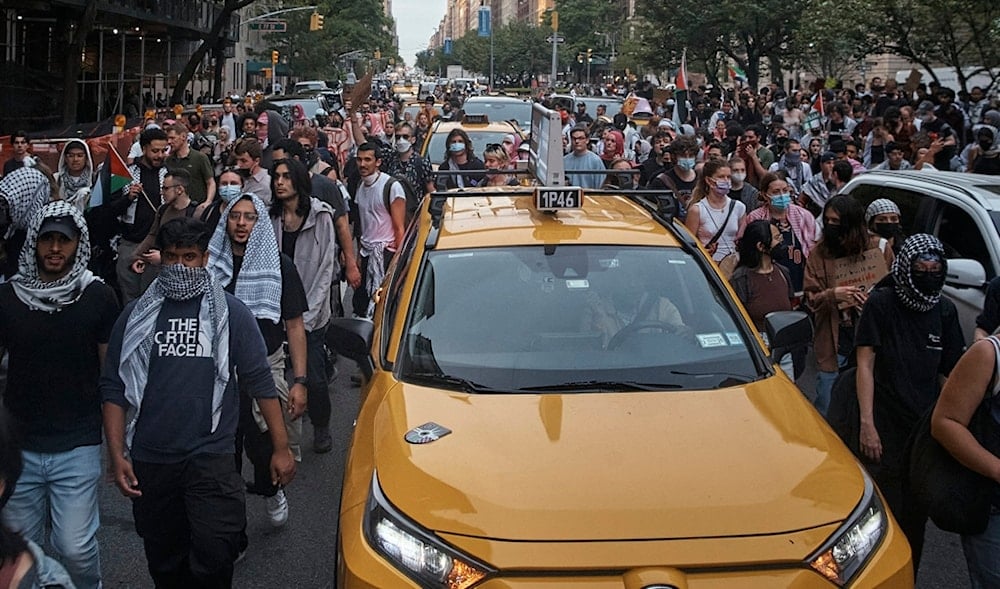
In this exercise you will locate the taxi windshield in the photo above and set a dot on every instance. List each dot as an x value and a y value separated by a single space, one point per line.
585 318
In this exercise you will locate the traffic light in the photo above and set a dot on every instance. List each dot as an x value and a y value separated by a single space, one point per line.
579 58
274 56
590 54
315 22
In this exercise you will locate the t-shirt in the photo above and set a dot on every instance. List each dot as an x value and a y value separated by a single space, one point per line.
168 213
293 301
376 220
328 191
199 166
671 181
11 165
587 161
175 421
445 182
790 254
768 293
54 367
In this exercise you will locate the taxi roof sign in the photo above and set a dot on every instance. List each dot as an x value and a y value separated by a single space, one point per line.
545 156
475 120
556 198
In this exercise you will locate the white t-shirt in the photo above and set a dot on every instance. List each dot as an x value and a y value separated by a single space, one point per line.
376 221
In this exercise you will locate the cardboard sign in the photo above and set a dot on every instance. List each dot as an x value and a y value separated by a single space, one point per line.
912 81
863 272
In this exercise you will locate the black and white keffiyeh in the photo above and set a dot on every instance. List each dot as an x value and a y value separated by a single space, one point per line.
880 206
179 283
26 190
76 189
259 282
53 296
914 247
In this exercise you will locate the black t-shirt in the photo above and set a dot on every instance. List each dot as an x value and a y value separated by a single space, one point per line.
293 301
682 188
288 242
327 191
473 163
11 165
943 130
790 255
54 366
911 350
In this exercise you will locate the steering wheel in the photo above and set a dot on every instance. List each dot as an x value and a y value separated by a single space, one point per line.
635 327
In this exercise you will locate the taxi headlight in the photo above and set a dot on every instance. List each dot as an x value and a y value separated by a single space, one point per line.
852 546
415 551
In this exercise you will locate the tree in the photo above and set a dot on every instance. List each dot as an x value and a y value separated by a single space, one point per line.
829 45
962 34
746 32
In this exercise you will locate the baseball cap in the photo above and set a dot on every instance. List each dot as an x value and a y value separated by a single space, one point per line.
64 225
827 156
925 107
579 104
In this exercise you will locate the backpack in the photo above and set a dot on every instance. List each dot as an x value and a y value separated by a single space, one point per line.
412 199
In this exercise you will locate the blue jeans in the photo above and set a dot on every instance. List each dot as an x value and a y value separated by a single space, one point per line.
982 554
824 386
61 489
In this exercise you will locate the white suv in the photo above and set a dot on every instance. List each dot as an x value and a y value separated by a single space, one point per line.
962 210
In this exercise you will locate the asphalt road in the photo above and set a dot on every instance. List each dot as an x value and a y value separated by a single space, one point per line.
301 554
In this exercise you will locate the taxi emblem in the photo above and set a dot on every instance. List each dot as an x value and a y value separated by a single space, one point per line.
426 433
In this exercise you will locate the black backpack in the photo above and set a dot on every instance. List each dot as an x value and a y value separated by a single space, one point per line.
412 198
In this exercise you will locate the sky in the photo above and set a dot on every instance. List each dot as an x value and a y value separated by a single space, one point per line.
416 21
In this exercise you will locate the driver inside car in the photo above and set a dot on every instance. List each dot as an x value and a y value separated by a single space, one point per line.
614 312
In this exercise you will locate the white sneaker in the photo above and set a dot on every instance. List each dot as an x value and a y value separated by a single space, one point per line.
277 508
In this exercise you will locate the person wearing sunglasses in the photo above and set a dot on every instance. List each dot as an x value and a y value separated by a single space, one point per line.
176 203
497 161
406 163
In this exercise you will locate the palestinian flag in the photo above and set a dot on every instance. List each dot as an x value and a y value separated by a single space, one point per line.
736 74
114 176
680 114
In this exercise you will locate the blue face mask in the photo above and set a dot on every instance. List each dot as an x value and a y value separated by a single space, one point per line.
781 202
686 163
457 147
230 192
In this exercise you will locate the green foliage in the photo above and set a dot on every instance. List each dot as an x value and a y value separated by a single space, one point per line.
313 54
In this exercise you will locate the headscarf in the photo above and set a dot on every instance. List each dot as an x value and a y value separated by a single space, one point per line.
880 206
619 146
179 283
259 282
26 190
914 247
995 132
76 189
52 297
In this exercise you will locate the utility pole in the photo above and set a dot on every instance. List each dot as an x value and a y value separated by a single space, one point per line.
555 48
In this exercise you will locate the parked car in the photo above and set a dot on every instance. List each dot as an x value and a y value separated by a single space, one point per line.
962 210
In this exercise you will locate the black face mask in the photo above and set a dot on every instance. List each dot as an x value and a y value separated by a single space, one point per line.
929 283
832 233
985 145
777 251
887 230
243 172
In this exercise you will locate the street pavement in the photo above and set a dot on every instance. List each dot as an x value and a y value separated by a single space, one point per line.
302 553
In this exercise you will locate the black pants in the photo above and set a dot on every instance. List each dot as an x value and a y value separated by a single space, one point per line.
190 517
360 299
259 448
317 384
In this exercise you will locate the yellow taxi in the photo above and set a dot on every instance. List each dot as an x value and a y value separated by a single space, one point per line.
562 391
481 130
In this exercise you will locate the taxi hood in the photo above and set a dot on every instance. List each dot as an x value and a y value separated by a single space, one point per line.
755 459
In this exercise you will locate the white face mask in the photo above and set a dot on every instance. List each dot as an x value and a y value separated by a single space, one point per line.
403 145
738 177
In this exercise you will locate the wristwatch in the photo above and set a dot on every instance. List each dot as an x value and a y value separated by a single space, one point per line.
299 380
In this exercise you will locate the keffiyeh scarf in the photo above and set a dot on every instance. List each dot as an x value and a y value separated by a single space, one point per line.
259 282
26 190
913 248
178 283
52 297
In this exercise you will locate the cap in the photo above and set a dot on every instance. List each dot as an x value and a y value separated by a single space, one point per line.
579 104
925 107
64 225
827 156
665 123
524 147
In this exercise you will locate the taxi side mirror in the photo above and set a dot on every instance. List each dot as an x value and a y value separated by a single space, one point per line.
352 338
787 331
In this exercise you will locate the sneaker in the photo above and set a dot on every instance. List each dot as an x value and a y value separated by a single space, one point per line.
277 508
322 440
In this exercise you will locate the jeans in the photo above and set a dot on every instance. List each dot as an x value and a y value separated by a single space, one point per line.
982 554
316 382
190 516
824 386
61 490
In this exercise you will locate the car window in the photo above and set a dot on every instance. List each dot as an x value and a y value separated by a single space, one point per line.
395 287
535 317
907 201
501 111
962 237
480 139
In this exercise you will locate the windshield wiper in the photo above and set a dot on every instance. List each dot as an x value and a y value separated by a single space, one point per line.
454 381
729 379
603 385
